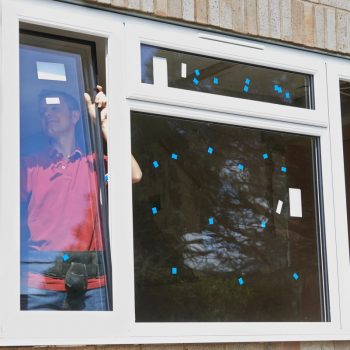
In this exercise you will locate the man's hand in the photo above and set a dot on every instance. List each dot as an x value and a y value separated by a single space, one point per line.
101 102
90 106
100 99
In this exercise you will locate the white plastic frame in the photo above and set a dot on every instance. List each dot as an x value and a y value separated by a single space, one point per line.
20 327
123 35
184 39
337 70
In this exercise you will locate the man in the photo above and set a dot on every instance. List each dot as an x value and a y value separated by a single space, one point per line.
63 258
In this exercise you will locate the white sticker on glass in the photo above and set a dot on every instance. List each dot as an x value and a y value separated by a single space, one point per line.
183 70
160 71
279 207
295 207
52 100
51 71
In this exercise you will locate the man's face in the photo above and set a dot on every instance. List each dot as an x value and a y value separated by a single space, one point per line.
57 119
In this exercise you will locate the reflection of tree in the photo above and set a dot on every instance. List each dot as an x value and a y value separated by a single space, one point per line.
210 258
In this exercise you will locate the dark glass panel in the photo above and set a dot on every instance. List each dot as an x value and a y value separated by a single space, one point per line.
345 116
226 223
221 77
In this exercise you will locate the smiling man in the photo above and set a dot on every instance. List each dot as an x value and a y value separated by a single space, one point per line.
63 255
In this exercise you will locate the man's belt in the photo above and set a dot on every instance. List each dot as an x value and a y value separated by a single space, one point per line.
93 262
76 268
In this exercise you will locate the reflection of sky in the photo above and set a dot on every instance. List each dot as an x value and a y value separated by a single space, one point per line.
206 251
147 53
51 71
224 250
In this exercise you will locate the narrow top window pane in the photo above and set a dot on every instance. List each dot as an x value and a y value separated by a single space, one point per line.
188 71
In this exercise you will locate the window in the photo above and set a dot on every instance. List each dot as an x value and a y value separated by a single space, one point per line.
237 230
65 260
226 225
345 109
193 72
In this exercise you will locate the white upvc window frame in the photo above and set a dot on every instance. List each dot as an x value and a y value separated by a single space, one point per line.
192 41
124 36
339 70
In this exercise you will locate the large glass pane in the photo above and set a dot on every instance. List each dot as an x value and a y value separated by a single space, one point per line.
221 77
64 236
227 223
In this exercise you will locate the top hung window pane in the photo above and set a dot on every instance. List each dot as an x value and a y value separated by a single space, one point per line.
221 77
64 235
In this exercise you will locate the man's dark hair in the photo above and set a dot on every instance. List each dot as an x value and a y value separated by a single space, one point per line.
70 100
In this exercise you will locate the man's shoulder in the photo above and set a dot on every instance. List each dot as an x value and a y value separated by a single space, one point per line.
37 159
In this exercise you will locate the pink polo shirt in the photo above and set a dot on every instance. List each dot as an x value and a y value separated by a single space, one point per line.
63 212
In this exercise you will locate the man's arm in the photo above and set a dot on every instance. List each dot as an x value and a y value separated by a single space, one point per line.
101 102
136 172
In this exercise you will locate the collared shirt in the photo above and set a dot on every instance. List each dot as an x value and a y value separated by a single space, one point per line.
63 203
62 200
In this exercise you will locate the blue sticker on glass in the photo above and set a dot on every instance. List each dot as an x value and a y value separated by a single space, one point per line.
247 81
241 281
216 80
295 276
210 150
65 257
174 271
246 88
155 164
211 221
265 156
263 224
174 156
154 210
195 81
241 167
283 169
197 72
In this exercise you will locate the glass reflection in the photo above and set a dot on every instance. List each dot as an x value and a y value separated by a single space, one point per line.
63 240
345 116
214 238
205 74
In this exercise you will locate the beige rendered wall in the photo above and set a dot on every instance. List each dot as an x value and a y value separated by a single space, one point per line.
321 24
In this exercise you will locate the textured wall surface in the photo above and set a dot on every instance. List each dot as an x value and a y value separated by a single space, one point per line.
322 24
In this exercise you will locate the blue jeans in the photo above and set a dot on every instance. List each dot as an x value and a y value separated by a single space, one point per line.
42 299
